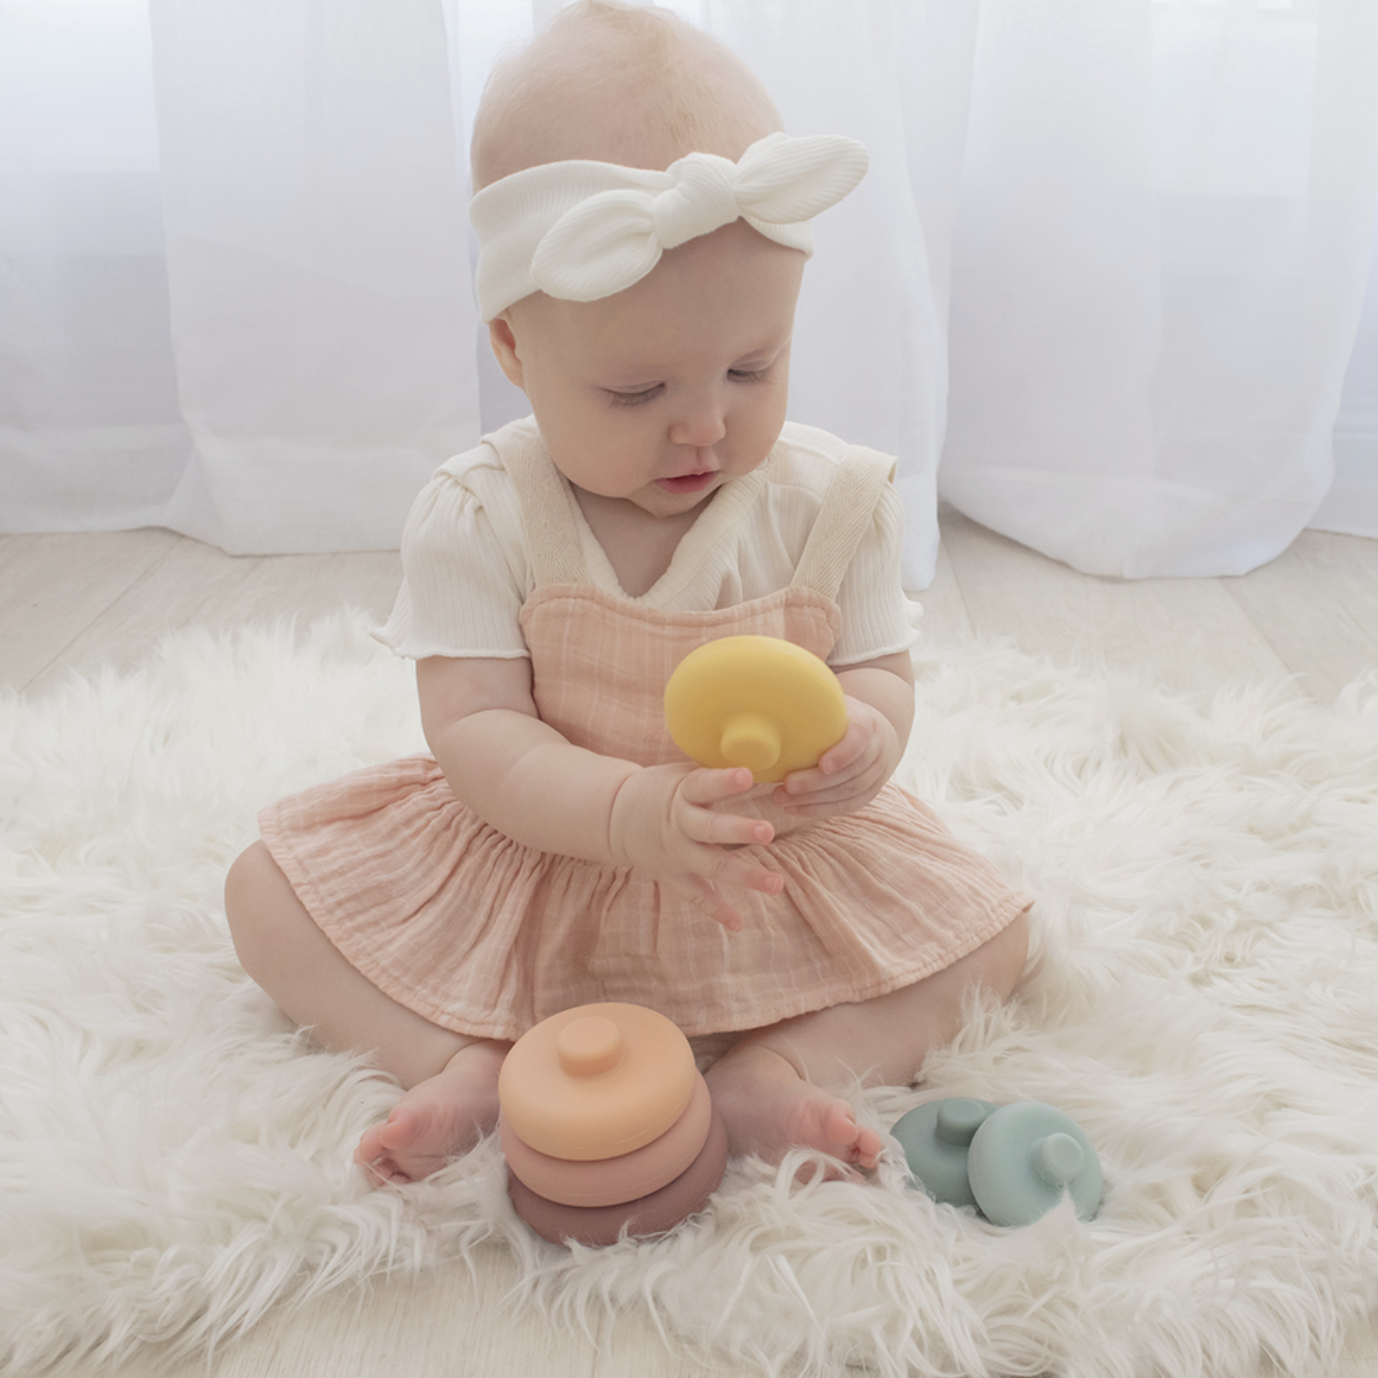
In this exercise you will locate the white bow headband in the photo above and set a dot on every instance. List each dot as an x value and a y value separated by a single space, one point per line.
582 230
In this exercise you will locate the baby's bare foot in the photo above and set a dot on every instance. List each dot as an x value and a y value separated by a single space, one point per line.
769 1108
436 1119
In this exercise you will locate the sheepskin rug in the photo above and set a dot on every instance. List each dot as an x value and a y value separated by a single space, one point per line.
1200 998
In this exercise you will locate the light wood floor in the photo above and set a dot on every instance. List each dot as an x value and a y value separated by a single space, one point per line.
70 603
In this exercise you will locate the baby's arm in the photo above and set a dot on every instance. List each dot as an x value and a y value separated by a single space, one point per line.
525 779
880 712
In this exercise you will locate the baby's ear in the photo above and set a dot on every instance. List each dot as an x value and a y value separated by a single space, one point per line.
504 344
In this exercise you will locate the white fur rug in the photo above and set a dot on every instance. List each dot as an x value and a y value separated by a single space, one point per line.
1202 999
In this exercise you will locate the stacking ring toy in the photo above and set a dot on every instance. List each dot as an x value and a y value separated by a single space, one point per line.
596 1081
608 1127
755 701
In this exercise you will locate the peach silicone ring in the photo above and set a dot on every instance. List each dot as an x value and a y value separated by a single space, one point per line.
596 1081
608 1181
755 701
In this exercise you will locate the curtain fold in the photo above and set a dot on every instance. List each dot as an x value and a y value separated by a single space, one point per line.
867 361
1351 504
316 244
91 429
1160 255
1108 287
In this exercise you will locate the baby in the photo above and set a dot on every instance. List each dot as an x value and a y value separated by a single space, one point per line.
644 227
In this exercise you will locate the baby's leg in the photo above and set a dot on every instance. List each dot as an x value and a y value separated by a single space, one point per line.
451 1080
768 1088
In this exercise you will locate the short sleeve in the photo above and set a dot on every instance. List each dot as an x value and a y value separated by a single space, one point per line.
463 585
878 617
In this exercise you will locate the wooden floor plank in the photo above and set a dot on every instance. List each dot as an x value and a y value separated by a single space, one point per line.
450 1323
12 545
946 621
1185 635
195 585
56 587
631 1346
1317 606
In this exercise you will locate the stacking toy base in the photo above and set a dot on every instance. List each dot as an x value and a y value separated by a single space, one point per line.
653 1214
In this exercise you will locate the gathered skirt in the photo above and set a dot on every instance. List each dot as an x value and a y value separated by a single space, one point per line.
486 936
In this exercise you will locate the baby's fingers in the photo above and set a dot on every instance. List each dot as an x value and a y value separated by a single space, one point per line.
712 786
857 743
809 794
830 803
734 868
708 899
720 828
706 895
727 829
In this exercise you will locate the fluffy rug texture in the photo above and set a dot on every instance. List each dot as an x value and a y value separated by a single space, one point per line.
1200 998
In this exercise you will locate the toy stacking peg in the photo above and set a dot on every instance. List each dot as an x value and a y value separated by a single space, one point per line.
755 701
1013 1162
1025 1157
606 1123
936 1139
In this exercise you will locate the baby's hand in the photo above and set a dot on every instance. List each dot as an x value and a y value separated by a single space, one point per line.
663 822
849 775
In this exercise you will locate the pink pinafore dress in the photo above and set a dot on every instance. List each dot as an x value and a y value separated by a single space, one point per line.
486 936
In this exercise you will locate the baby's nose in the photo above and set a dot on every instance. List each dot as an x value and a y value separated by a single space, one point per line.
700 425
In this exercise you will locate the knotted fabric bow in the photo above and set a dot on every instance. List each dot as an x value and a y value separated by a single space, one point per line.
582 230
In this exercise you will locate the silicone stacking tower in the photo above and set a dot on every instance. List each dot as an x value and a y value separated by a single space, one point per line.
607 1126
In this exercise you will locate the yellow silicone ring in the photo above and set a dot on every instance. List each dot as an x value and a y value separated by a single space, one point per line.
755 701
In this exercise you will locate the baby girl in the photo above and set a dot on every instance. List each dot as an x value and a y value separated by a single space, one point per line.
644 225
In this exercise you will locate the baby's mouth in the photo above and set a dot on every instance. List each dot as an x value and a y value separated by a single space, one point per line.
688 483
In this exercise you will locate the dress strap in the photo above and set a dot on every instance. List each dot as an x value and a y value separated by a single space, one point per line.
545 502
842 520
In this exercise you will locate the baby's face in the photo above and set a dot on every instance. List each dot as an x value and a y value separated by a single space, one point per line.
660 394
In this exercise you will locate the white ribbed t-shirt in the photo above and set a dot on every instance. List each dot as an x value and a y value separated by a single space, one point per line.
466 572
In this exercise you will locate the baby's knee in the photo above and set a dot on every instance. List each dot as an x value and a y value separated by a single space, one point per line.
253 901
1006 954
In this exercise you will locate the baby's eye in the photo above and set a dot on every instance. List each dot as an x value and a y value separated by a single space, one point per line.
747 375
632 399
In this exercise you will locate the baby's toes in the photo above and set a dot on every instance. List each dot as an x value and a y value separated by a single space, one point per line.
868 1147
848 1140
370 1149
839 1128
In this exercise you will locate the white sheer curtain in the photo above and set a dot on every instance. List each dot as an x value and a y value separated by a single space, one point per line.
1104 288
234 273
1162 241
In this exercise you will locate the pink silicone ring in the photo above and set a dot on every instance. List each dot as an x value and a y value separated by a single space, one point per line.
649 1215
